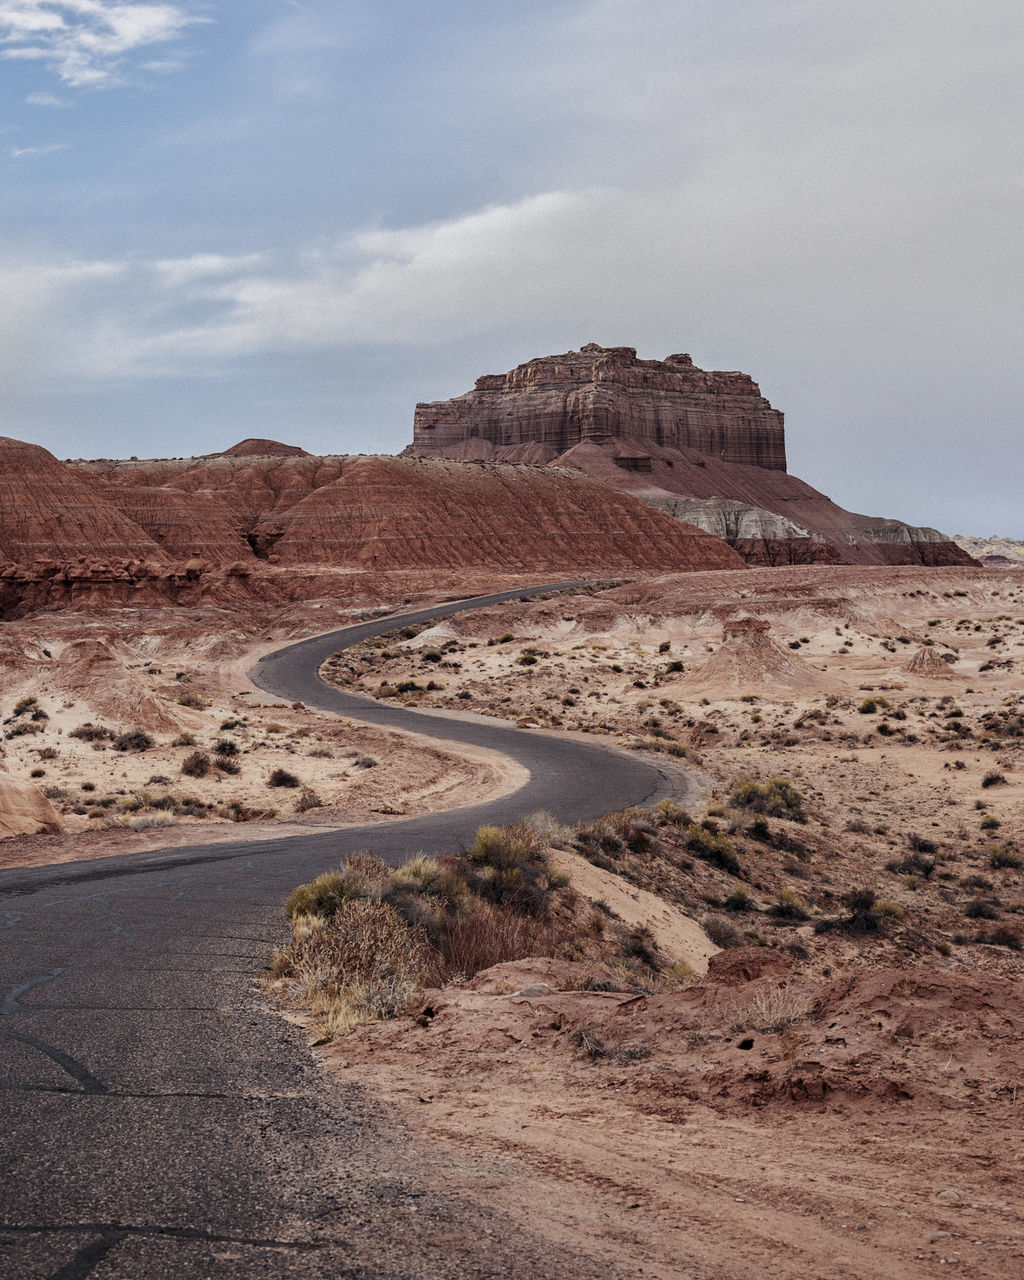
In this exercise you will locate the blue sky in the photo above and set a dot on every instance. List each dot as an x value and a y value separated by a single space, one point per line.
296 219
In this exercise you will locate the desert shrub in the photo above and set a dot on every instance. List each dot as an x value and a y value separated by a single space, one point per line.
771 1009
675 666
321 897
993 779
915 865
510 867
232 722
787 906
527 660
132 740
225 747
90 732
226 765
362 965
308 800
196 765
37 773
185 739
632 829
705 840
641 944
28 703
722 931
777 798
1001 938
431 655
669 814
1001 855
22 729
589 1043
921 845
990 823
48 753
192 700
409 686
282 778
483 935
739 900
980 909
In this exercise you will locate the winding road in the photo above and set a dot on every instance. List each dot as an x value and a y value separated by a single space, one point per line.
160 1120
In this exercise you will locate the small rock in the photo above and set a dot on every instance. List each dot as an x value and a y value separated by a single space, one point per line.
948 1195
937 1235
535 989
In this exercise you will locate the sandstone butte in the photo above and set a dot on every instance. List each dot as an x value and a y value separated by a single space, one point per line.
271 520
705 447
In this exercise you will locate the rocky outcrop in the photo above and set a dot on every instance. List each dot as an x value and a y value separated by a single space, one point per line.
256 448
996 552
600 394
761 537
664 431
24 810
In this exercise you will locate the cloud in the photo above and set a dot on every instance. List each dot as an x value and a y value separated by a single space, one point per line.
45 100
86 41
38 151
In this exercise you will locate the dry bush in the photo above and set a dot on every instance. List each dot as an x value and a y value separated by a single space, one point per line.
771 1009
364 964
484 935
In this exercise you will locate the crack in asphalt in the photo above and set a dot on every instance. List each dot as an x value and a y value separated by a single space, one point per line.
75 1069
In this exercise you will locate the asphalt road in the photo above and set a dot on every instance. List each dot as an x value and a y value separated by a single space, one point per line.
160 1120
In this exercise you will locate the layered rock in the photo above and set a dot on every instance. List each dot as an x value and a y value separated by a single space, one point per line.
390 513
665 431
602 393
259 523
51 512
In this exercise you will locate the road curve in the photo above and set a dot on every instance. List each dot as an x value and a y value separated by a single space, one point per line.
160 1121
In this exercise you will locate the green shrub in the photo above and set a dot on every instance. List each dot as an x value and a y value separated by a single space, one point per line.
787 906
1001 855
777 798
705 840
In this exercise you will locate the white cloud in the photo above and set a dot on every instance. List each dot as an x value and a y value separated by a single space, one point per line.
45 100
49 149
86 41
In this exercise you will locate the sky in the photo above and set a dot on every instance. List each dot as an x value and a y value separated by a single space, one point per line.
297 218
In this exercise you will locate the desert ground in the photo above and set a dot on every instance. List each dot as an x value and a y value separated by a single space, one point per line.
818 1075
836 1095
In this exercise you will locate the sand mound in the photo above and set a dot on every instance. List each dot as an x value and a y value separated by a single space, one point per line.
24 811
926 662
750 661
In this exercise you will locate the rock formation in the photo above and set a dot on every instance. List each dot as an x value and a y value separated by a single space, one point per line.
995 552
226 527
664 431
926 662
750 661
601 394
24 810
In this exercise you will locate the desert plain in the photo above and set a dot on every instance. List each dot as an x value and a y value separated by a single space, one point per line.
818 1073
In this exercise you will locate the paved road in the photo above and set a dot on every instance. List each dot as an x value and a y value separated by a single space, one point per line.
159 1120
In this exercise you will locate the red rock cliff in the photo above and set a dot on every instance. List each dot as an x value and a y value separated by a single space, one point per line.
600 393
